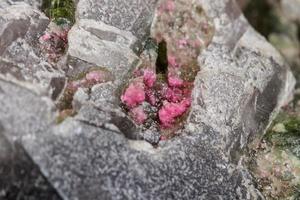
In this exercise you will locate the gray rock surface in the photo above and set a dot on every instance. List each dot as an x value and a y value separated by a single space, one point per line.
35 3
21 26
113 32
132 15
242 83
20 177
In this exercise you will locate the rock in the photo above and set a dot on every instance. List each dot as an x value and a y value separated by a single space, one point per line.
151 136
108 118
21 26
3 4
112 56
133 15
102 94
21 21
242 83
114 35
20 177
80 97
95 42
34 3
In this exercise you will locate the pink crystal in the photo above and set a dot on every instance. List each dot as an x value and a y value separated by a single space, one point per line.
170 5
73 85
174 95
182 43
137 73
96 76
175 81
134 94
172 61
163 138
45 37
149 78
150 97
197 43
138 115
170 111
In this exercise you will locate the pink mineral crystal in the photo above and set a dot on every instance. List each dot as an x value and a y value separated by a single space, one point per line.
170 5
197 43
174 81
134 94
174 95
163 138
138 115
182 43
150 97
172 61
170 111
96 76
74 85
45 37
137 73
149 77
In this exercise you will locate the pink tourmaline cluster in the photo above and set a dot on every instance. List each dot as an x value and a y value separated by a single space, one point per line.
171 100
54 42
91 78
88 79
167 91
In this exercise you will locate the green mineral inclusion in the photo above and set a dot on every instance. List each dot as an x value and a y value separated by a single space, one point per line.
59 10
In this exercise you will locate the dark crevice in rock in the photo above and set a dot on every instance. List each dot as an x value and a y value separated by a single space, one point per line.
127 128
107 119
162 58
57 84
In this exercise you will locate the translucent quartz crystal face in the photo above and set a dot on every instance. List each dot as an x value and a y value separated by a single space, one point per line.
159 93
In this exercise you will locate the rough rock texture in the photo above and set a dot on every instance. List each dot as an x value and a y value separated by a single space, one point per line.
242 83
275 158
20 28
134 16
20 177
34 3
109 34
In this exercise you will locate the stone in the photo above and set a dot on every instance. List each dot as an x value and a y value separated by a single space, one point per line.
97 154
112 56
133 15
80 97
20 177
116 35
105 93
21 26
100 39
34 3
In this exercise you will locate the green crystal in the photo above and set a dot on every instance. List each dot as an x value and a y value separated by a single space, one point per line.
59 11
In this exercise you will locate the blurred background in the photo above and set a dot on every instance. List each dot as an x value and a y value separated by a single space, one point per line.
275 160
